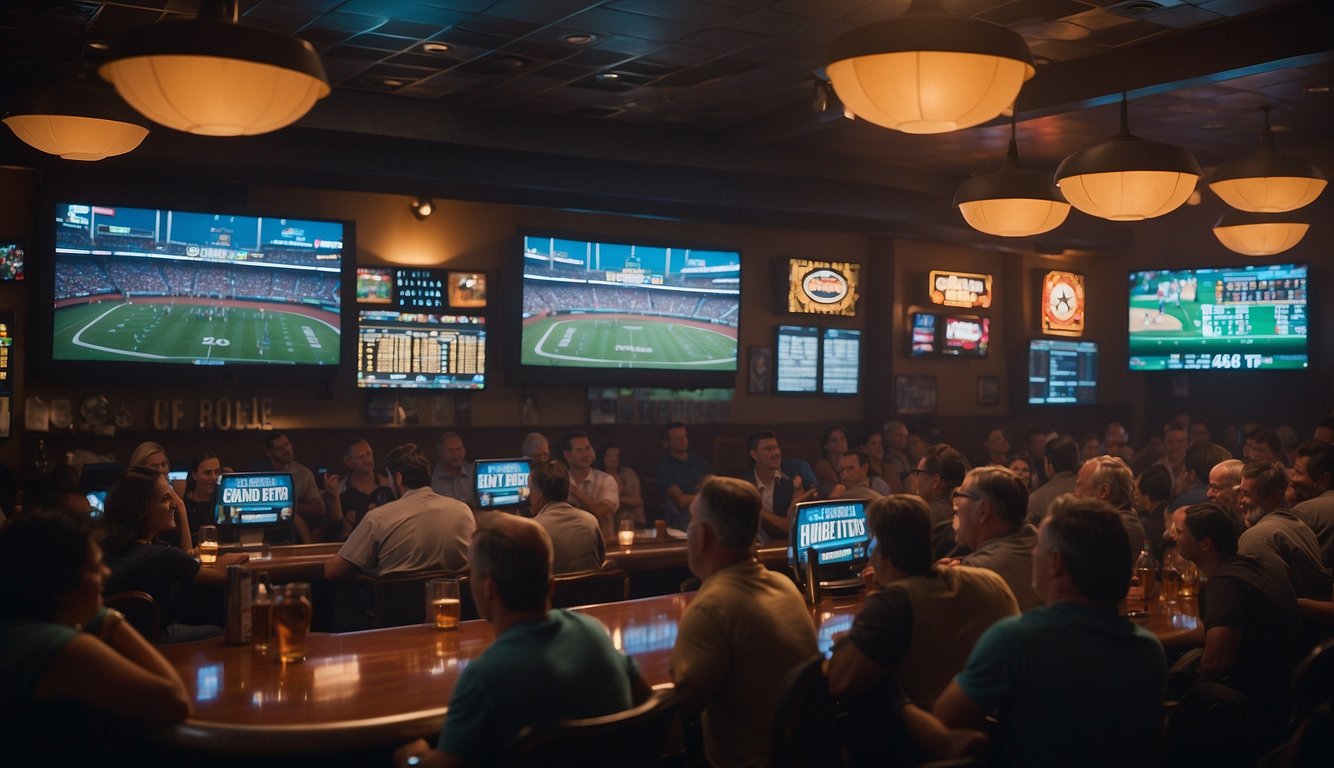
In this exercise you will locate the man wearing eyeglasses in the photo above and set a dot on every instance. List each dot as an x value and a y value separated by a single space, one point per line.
938 473
989 508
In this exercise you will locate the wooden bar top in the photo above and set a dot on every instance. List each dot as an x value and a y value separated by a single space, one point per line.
385 687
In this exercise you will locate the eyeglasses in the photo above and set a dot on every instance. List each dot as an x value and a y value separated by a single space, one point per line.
1222 487
923 472
965 495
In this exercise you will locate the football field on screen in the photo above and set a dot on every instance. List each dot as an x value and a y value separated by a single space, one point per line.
161 333
628 342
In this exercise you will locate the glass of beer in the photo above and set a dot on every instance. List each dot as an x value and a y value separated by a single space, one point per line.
625 533
291 619
208 545
442 603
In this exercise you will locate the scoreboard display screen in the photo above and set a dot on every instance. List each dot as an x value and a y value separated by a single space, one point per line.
409 350
254 499
1250 317
500 482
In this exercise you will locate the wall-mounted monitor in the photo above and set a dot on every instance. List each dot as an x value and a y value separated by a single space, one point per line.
798 360
1252 317
155 288
414 350
822 287
923 339
375 285
12 259
1062 372
421 288
840 361
965 336
500 483
467 290
592 312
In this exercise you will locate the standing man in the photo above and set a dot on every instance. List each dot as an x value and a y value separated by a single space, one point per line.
1024 667
453 476
990 507
421 531
545 665
309 504
576 539
779 492
854 475
940 470
745 630
591 489
679 474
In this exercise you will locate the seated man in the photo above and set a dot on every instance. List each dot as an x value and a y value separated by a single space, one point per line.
1072 682
576 539
453 476
545 665
854 478
1314 472
1272 528
920 626
1109 479
1252 632
679 474
937 474
780 490
746 629
990 508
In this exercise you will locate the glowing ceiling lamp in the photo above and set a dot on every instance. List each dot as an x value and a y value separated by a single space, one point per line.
76 120
215 77
1267 182
1258 234
1128 178
1011 202
928 71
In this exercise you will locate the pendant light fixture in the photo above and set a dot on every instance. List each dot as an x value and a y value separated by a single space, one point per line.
1259 234
1267 182
76 120
214 76
1127 178
928 71
1011 202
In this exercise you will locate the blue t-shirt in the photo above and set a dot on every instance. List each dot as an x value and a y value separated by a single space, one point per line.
537 672
684 474
1072 684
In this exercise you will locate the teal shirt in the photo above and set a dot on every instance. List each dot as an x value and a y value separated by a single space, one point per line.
1072 684
26 650
537 672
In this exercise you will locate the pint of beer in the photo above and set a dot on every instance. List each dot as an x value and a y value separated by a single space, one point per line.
208 545
442 603
291 620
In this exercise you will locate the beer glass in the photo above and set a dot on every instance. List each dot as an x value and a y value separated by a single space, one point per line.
208 545
625 533
291 620
442 603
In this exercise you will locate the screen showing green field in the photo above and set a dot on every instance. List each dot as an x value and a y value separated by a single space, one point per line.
1250 318
161 286
590 304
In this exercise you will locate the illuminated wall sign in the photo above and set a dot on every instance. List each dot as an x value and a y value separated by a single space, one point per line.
1063 304
960 289
823 287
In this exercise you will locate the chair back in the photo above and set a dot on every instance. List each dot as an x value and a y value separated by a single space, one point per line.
634 737
141 610
1313 681
400 598
805 735
590 588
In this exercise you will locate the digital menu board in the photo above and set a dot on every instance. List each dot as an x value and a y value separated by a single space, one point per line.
798 367
1062 372
840 371
410 350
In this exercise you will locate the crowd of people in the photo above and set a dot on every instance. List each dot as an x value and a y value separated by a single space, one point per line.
132 276
995 585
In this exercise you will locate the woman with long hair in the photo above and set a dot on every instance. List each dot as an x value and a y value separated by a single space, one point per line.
138 508
154 456
63 649
200 486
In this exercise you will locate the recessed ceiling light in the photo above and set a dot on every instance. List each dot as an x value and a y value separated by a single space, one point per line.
98 45
511 62
435 47
578 38
1321 88
390 82
608 77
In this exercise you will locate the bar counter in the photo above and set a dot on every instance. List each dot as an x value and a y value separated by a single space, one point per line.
381 688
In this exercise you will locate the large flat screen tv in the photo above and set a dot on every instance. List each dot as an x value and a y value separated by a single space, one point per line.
1252 317
414 350
1062 372
155 286
602 313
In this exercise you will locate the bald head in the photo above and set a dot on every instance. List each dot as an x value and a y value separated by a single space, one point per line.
516 552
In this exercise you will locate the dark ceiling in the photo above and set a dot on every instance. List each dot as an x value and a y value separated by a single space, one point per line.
464 97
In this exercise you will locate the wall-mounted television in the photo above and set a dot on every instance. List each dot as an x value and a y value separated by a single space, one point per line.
1252 317
12 258
966 336
594 312
1062 372
375 285
812 360
923 339
158 288
840 361
414 350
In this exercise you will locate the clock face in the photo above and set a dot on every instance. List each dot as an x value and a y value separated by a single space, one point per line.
1063 304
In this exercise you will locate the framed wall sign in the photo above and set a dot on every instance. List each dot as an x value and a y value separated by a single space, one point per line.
1063 304
823 287
960 289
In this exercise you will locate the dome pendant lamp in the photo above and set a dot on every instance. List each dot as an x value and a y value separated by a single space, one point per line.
1011 202
1259 234
76 120
215 77
1267 182
927 71
1127 178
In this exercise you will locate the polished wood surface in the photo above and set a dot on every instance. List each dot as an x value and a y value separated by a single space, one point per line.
292 562
385 687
